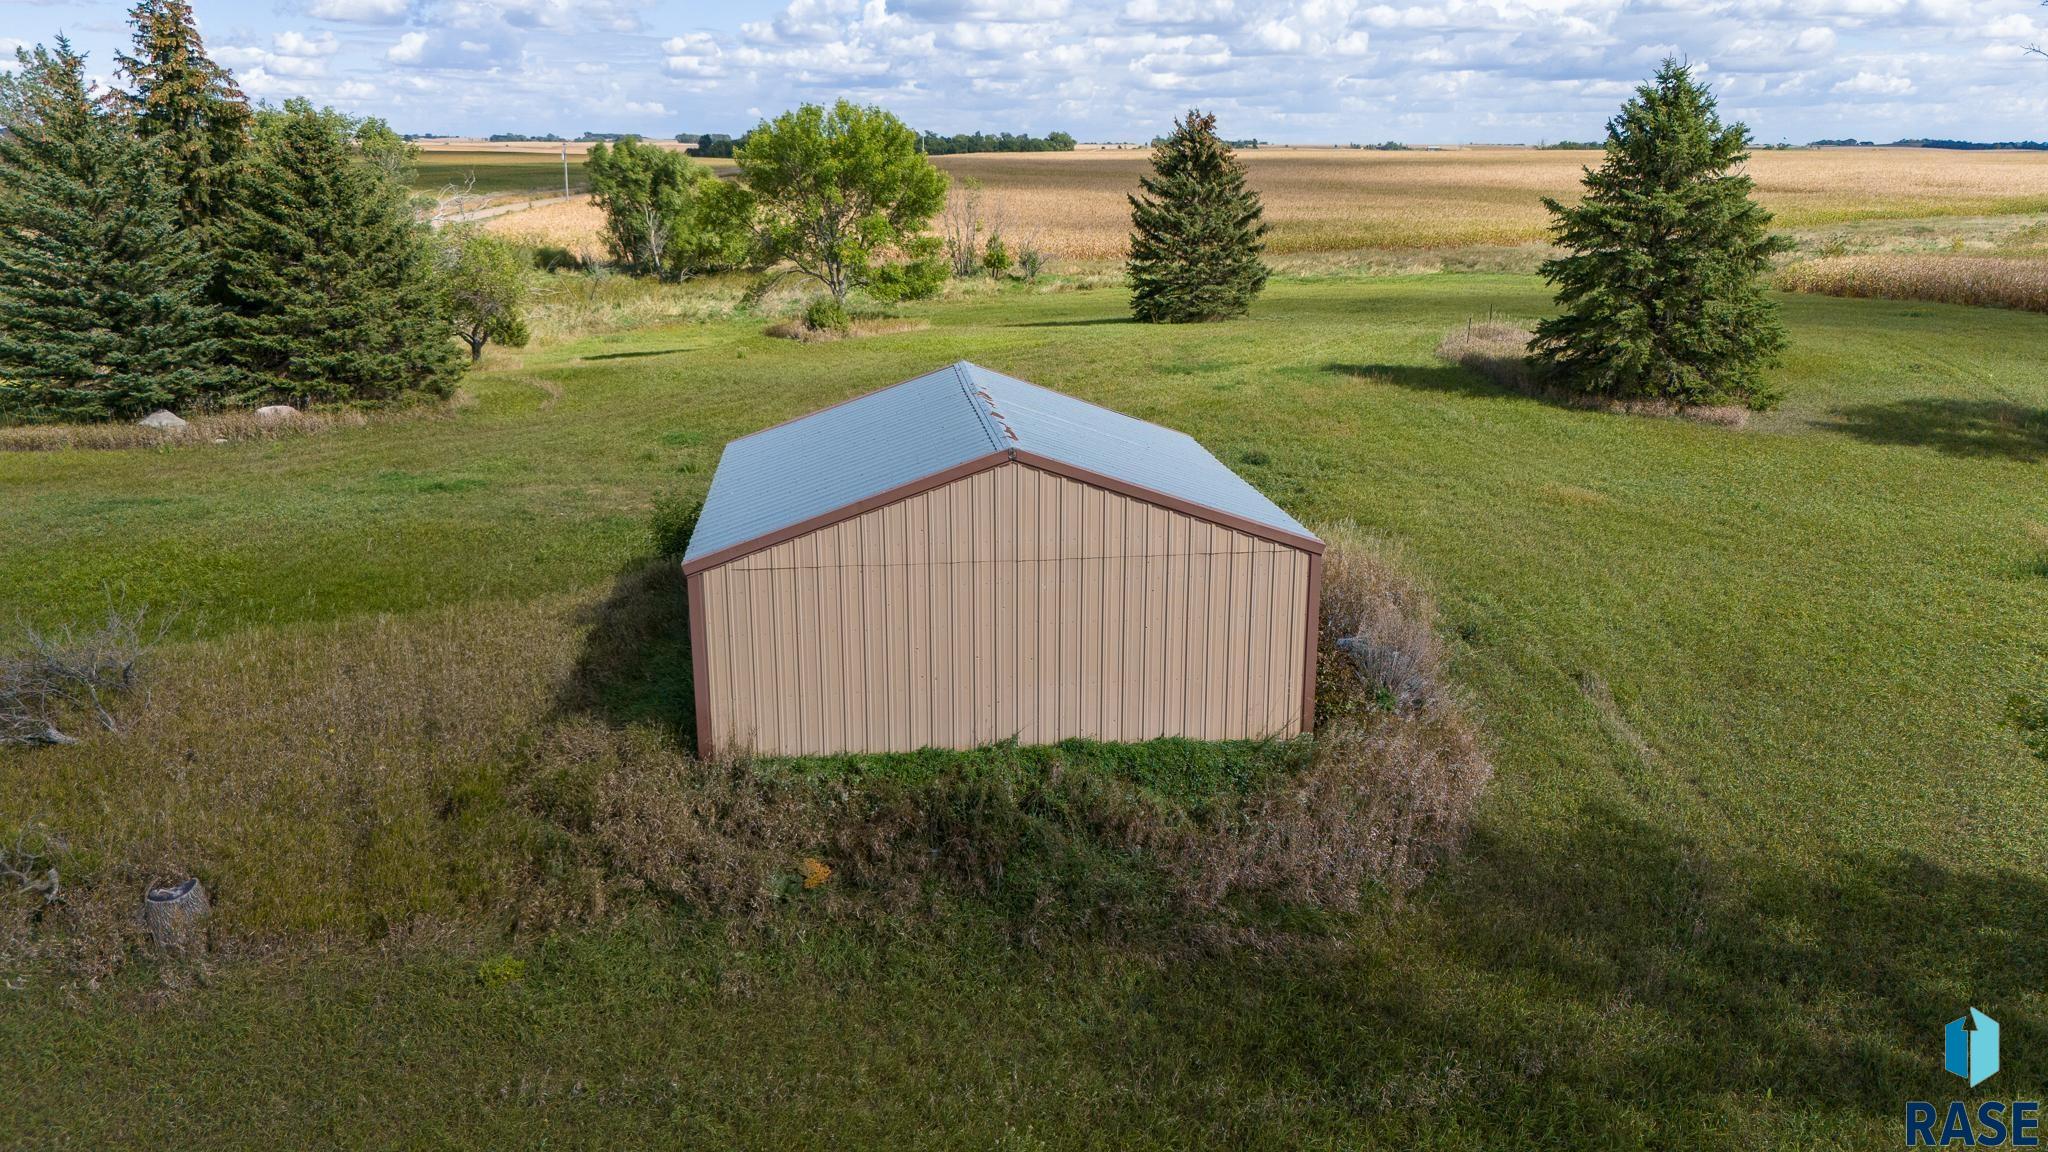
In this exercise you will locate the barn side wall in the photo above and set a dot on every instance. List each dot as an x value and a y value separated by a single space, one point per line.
1011 602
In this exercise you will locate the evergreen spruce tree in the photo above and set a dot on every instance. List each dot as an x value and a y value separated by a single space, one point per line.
186 105
1662 287
329 281
1197 233
101 309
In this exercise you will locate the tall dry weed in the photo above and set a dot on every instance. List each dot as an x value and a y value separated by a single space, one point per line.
1398 764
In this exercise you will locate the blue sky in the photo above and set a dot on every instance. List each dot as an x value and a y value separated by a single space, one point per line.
1333 71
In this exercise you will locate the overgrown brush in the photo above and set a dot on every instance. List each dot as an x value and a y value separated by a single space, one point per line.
1398 764
457 774
201 428
1985 281
53 679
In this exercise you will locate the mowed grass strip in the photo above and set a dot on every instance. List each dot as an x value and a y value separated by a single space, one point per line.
1760 825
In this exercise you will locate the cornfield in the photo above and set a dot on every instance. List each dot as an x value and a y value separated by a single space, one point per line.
1995 281
1343 200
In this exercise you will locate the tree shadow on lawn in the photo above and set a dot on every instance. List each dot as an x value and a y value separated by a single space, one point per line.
1974 428
1432 378
1088 323
633 355
634 666
1610 977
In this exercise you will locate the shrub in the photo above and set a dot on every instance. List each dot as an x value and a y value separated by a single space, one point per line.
674 519
995 259
827 314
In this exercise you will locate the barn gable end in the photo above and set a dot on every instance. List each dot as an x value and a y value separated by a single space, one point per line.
1011 594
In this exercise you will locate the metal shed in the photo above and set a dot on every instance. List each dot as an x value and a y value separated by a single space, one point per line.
965 558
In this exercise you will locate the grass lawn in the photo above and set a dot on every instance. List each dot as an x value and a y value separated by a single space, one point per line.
1761 824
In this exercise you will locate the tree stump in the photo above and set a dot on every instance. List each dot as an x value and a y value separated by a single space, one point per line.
176 915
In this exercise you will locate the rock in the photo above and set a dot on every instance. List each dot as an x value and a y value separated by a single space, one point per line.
276 412
162 419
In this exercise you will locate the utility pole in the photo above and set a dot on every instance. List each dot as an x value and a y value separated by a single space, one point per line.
565 167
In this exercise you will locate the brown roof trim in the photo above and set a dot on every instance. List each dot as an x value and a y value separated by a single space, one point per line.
1307 544
1311 648
700 681
846 512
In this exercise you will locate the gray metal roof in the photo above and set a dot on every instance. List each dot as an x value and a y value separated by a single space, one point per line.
840 456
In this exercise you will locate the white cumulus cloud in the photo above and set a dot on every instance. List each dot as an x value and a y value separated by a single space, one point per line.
360 11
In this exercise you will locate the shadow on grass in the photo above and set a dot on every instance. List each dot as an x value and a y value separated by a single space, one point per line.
634 355
1976 428
1612 976
1089 323
1448 378
634 666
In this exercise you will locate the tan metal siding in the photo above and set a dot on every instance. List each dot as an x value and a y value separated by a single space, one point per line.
1013 602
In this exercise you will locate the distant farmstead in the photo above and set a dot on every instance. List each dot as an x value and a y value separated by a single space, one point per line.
966 558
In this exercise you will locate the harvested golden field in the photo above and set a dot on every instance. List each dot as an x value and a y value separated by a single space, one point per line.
1072 204
1327 200
575 225
1994 281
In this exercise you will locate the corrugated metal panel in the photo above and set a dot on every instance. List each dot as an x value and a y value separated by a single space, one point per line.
780 478
840 456
1124 447
1009 603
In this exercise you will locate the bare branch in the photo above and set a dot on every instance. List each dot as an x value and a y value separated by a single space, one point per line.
54 678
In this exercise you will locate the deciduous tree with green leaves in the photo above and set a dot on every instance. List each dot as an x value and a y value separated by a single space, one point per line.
330 282
483 281
665 214
187 106
1662 283
844 198
102 313
1197 233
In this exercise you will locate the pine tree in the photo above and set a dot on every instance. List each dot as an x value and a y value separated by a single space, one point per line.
1197 233
188 106
1662 288
329 281
101 310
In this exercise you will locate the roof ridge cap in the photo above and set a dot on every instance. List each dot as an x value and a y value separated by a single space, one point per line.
984 408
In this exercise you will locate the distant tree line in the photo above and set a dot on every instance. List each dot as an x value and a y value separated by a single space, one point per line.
1976 146
935 144
719 145
523 138
1957 145
164 245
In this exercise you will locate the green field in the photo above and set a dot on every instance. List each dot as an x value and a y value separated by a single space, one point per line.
496 172
1731 908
